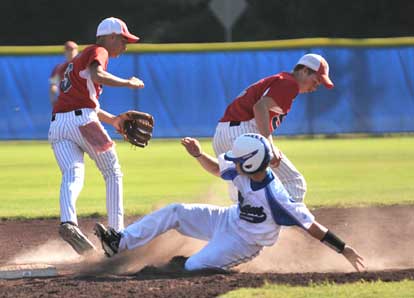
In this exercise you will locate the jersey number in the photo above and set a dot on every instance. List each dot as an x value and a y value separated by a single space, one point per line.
65 84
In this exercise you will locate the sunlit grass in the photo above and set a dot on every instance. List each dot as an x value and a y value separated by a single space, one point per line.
339 172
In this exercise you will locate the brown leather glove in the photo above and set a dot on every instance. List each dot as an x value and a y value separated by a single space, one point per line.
137 127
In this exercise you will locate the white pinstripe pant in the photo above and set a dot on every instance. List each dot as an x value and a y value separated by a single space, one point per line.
225 248
291 178
69 147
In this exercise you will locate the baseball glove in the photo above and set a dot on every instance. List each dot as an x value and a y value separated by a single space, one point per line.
137 127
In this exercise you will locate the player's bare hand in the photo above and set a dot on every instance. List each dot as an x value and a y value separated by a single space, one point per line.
192 145
356 260
134 83
277 157
117 123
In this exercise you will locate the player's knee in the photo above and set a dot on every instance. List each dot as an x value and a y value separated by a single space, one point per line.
296 187
74 173
303 184
114 172
301 189
174 207
175 212
195 263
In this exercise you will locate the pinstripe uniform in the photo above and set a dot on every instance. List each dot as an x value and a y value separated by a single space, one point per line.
235 234
77 107
239 119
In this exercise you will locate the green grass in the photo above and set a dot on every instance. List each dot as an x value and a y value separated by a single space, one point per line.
403 289
339 172
153 177
355 172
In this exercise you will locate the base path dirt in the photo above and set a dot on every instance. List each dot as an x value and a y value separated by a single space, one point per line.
383 235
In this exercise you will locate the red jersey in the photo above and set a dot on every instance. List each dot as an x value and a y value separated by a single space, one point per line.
282 87
77 90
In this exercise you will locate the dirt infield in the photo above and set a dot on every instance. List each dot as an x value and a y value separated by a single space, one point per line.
384 235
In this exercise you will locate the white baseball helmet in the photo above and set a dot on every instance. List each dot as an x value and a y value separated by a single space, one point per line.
252 151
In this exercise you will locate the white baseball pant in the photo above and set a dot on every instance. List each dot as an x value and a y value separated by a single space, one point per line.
225 248
291 178
69 146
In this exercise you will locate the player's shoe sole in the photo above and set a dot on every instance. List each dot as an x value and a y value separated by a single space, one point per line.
108 238
74 236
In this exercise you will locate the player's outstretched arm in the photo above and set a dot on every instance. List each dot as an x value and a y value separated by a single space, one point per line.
100 76
111 119
321 233
209 163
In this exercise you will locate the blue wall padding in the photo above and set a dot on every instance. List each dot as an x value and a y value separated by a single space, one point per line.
188 92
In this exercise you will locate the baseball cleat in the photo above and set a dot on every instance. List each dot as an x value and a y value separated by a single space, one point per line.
109 239
74 236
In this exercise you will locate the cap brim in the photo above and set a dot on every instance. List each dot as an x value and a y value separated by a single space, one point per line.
326 81
131 37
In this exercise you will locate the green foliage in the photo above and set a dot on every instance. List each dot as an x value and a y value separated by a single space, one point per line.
403 289
339 172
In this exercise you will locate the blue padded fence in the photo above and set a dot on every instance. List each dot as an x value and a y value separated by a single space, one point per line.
188 92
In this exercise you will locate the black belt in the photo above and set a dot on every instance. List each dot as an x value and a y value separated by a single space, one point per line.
235 123
77 113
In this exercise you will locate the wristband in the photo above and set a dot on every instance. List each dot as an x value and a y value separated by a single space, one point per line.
197 155
331 240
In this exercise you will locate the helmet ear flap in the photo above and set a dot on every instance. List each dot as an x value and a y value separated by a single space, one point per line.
243 168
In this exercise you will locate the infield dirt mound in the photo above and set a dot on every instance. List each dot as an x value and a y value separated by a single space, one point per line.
383 235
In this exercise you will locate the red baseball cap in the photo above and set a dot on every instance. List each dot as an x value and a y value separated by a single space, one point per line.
117 26
317 63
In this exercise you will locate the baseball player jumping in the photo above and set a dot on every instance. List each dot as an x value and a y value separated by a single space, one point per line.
262 107
76 128
235 234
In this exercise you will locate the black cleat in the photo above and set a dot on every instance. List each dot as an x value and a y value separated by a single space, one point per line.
109 239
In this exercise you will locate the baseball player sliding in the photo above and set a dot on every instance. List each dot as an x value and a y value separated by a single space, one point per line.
262 107
76 128
235 234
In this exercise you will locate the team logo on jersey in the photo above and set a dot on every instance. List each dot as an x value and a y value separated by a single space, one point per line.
277 120
250 213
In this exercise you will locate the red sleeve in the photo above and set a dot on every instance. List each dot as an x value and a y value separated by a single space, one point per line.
283 92
100 55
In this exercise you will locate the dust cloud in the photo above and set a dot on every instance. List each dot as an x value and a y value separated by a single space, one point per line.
51 252
384 236
157 252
